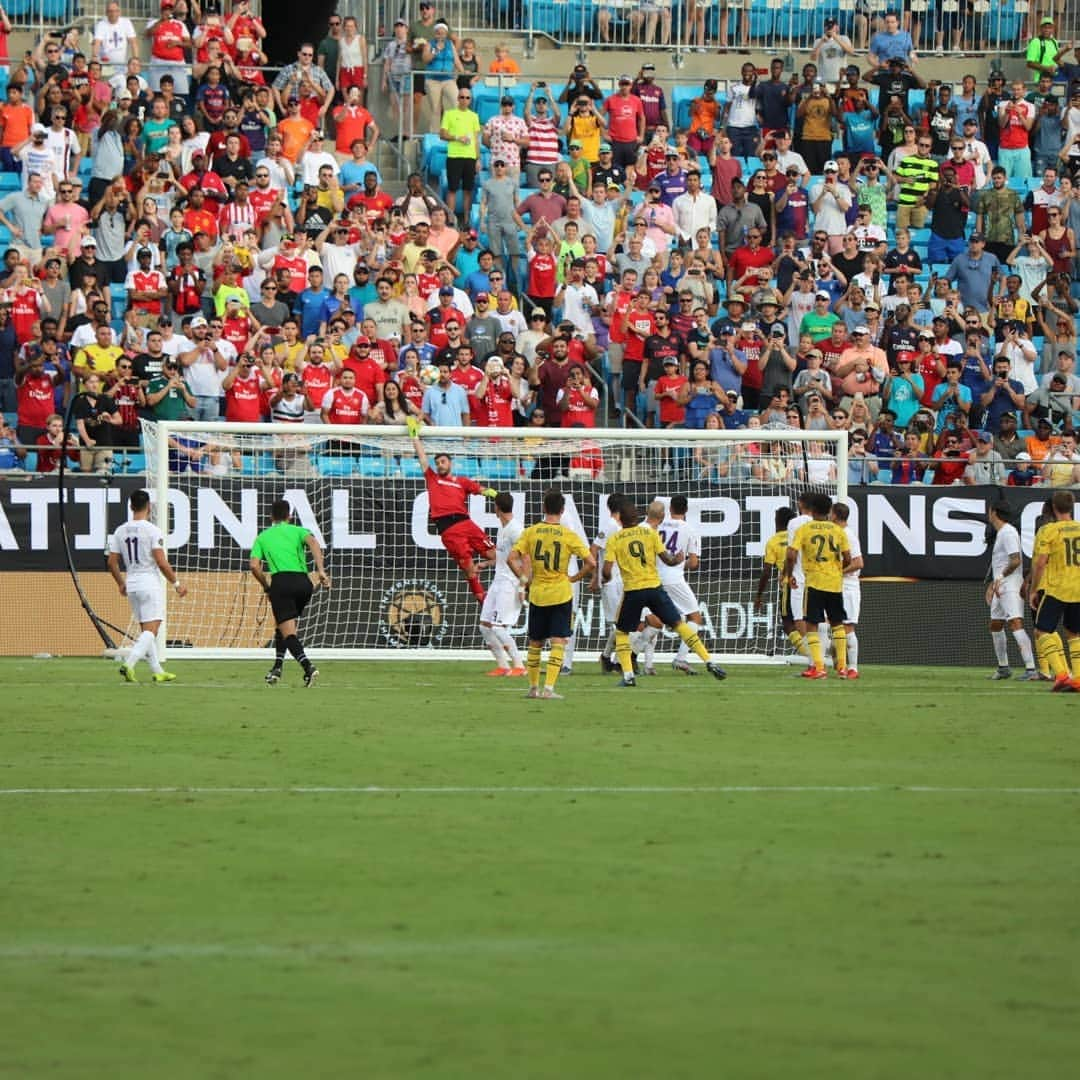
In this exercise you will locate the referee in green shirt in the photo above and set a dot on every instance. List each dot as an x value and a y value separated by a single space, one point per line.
284 547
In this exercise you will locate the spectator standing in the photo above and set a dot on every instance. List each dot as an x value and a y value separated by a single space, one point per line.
625 124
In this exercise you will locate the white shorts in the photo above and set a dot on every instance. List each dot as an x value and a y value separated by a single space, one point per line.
682 596
502 604
610 599
796 601
852 594
147 604
1007 605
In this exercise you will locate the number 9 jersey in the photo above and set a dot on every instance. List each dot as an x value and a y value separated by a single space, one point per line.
635 551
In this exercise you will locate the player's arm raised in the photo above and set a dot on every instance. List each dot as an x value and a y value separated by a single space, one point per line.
168 572
418 445
317 555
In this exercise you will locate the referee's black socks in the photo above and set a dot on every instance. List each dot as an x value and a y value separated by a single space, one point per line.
279 649
296 651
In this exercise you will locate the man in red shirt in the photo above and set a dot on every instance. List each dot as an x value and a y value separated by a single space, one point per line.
626 124
577 400
468 377
34 395
243 387
345 404
448 509
638 323
146 288
290 258
263 196
197 218
750 266
376 203
204 180
353 122
369 376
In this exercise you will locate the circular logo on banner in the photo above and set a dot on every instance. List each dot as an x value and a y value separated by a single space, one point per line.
412 614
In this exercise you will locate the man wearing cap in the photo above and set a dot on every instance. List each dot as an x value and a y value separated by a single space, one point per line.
672 180
974 273
499 218
585 125
658 219
506 134
830 200
169 45
861 369
146 289
542 149
1044 54
397 63
651 94
625 124
605 173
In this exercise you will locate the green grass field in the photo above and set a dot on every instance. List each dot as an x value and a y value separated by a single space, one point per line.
759 878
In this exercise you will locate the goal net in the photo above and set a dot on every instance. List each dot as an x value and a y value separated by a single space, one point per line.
395 591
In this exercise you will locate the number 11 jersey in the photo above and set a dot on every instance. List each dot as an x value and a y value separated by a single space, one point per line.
135 542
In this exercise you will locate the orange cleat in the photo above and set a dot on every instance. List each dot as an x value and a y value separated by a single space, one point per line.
516 672
498 672
852 673
1065 684
814 673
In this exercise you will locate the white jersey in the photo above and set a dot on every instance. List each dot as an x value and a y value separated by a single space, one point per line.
794 525
135 543
1006 544
505 539
856 553
677 536
600 543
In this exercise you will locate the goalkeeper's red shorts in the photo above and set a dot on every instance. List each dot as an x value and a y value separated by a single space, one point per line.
463 540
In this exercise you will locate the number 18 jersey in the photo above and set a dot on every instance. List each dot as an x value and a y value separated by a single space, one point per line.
135 542
1060 542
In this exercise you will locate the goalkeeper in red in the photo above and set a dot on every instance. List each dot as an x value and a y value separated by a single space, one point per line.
448 508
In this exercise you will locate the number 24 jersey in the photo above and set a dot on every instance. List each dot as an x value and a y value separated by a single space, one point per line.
822 544
550 547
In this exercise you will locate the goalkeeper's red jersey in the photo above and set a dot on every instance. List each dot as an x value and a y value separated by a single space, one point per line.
449 495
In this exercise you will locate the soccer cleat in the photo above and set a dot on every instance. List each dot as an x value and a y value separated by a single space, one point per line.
649 670
548 694
127 674
683 666
564 670
627 681
607 665
1064 684
272 676
516 672
852 673
1031 675
715 670
534 692
841 673
311 676
1045 676
1001 673
497 673
163 676
814 673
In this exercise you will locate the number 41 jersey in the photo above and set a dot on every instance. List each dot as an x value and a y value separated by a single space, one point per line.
135 542
550 547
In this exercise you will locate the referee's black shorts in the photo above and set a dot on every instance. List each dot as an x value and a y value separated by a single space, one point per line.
1051 611
289 595
635 601
824 606
550 620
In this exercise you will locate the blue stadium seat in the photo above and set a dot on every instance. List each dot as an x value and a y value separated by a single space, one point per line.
467 466
410 468
501 469
29 463
333 466
373 467
257 464
10 181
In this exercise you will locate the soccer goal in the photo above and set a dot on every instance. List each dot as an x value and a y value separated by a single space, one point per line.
396 593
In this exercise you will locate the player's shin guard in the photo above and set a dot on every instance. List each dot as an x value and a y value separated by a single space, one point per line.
852 651
648 641
506 640
1023 643
491 640
1001 647
533 666
813 643
609 643
839 641
476 588
623 652
798 643
554 665
693 642
296 650
1053 654
279 649
1074 656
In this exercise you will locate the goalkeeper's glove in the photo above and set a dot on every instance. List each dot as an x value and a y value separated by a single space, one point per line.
413 425
489 493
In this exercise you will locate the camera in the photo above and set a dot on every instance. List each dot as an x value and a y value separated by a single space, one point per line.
540 85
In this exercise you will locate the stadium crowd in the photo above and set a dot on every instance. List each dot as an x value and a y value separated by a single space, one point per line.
853 247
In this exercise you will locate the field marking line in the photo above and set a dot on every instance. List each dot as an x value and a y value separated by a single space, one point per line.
45 951
705 789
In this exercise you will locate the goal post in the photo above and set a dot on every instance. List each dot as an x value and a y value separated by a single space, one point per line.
395 593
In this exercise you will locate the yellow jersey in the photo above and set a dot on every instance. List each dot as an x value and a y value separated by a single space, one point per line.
1060 542
550 548
822 544
776 550
98 359
634 551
